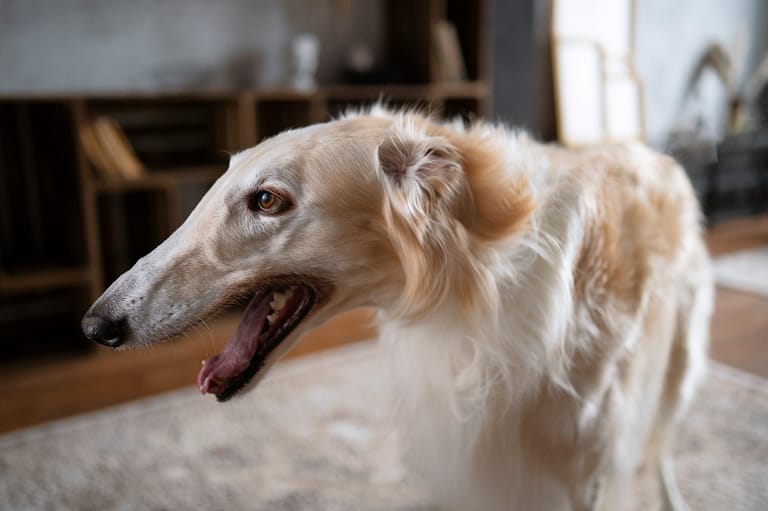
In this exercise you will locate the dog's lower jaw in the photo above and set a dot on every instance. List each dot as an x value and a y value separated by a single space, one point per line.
269 319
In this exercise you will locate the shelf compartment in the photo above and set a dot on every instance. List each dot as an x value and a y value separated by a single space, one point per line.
173 133
468 109
163 179
42 324
408 27
274 116
131 224
40 197
468 17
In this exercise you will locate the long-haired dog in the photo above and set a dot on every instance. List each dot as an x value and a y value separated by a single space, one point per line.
546 310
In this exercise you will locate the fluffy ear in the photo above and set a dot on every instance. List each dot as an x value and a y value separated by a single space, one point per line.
446 196
423 173
426 195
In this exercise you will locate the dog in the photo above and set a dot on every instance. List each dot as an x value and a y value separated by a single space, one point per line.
546 310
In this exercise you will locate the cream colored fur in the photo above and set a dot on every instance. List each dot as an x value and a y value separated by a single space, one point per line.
546 310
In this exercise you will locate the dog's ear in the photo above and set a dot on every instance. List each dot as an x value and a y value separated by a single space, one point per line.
425 198
464 177
445 195
403 158
423 174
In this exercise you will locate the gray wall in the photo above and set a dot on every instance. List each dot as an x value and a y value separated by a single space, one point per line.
97 45
672 35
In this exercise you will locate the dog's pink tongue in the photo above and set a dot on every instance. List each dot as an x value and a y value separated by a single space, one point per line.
228 364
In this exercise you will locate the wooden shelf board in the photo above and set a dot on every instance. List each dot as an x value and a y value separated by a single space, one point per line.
162 179
286 94
461 90
128 95
43 279
330 92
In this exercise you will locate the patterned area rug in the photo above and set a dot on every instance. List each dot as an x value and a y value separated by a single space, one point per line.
746 270
315 435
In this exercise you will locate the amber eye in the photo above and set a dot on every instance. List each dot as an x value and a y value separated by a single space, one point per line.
266 202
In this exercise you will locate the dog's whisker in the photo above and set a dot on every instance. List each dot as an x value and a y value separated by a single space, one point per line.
210 335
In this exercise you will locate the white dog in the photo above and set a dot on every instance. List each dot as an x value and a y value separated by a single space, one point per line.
547 310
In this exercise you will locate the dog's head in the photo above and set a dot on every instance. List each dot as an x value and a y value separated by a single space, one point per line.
382 210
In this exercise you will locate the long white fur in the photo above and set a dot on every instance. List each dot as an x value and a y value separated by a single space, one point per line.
462 377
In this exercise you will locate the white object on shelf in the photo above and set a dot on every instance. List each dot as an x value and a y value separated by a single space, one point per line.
306 51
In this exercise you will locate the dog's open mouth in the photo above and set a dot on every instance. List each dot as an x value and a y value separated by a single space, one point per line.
269 318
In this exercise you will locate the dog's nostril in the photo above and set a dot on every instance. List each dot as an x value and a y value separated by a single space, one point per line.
104 331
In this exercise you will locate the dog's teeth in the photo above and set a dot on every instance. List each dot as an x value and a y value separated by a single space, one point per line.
272 317
279 299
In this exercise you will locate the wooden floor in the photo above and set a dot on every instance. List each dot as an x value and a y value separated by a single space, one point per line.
740 323
43 391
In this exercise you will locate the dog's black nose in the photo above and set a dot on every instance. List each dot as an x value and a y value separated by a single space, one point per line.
104 331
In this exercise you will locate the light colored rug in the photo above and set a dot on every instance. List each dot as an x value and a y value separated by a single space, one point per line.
315 436
746 270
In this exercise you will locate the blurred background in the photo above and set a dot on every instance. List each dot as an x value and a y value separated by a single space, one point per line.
115 117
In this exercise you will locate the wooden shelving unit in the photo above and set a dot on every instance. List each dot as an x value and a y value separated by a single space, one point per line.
65 232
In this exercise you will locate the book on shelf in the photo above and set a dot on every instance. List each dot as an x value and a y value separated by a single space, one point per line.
109 151
95 154
448 60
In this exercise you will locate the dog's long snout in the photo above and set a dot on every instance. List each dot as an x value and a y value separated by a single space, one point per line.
108 332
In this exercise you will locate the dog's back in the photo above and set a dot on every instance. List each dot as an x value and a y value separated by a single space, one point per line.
602 329
643 280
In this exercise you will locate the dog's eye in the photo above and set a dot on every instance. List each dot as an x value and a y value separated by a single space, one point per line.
266 202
